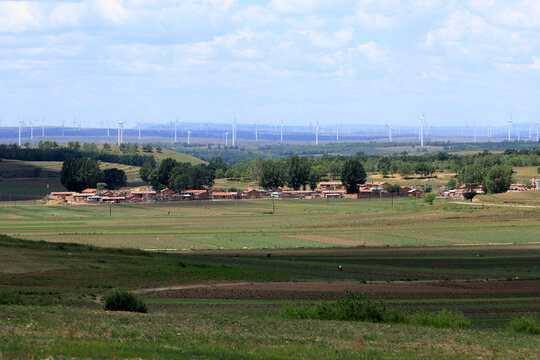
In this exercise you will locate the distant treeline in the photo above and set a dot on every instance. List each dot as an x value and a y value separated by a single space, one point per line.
56 153
232 155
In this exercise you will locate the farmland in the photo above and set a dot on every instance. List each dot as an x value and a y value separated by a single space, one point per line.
217 274
218 305
251 224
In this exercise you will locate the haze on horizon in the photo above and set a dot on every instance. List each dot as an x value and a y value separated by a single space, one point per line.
338 61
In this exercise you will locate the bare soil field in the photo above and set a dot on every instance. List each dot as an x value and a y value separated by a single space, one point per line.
319 290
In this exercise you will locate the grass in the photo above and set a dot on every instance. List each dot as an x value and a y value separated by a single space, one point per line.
248 224
59 285
526 324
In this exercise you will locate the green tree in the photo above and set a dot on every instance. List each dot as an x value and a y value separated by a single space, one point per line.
471 176
406 169
451 184
106 147
353 173
314 178
164 170
498 179
428 198
114 178
79 174
384 165
147 148
273 174
297 171
145 170
89 147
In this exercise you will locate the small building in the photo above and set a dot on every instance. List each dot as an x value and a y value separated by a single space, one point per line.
222 195
331 185
194 195
89 191
60 195
416 193
517 188
377 185
113 199
167 193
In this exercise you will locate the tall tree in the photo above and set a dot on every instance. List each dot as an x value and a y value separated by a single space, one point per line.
353 173
145 170
79 174
297 171
498 179
114 178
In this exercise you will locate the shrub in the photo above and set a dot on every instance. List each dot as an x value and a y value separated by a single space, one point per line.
442 319
10 298
429 198
526 324
120 300
355 306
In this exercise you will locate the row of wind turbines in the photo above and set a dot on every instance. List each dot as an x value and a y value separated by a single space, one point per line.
234 126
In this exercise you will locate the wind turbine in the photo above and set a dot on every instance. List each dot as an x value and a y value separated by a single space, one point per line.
188 136
389 131
256 132
337 133
120 128
510 128
317 133
281 133
175 126
21 123
31 130
139 124
537 129
422 121
474 129
530 132
518 132
226 138
234 132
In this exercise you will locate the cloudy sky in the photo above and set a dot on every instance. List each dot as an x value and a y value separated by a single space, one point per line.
338 61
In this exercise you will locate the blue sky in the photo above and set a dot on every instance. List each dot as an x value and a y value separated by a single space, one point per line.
338 61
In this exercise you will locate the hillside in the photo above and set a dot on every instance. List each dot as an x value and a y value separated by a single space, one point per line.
164 154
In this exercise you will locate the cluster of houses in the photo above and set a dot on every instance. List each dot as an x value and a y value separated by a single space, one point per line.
325 190
458 193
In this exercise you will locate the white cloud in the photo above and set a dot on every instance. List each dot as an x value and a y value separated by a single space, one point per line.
18 16
338 39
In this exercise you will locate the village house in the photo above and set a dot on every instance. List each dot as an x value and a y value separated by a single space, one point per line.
377 185
195 195
60 195
222 195
331 185
517 188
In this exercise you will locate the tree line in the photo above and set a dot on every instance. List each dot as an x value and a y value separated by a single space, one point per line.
50 151
78 174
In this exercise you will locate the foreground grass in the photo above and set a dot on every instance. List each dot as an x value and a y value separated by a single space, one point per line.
73 332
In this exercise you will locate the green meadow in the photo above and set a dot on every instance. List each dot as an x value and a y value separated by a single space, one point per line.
254 224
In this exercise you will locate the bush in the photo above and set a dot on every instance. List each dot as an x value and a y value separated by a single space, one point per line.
429 198
526 324
355 306
10 298
442 319
120 300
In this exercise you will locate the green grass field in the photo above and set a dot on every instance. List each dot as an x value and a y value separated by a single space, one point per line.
296 223
59 286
